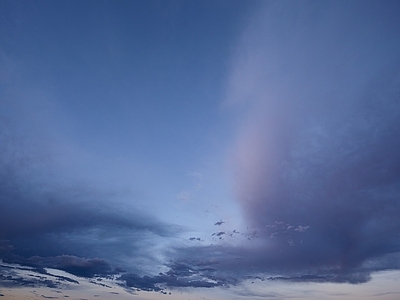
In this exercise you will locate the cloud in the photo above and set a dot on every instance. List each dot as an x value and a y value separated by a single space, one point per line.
32 276
315 88
50 219
179 275
316 153
74 265
315 164
55 218
34 202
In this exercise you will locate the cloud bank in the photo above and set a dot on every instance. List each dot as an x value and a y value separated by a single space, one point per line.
316 160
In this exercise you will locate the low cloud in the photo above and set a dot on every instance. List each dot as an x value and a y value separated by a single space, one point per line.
180 275
74 265
56 222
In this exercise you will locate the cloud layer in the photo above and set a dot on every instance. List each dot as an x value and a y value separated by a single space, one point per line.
315 162
316 158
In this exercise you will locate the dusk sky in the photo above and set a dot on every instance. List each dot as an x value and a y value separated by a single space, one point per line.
200 149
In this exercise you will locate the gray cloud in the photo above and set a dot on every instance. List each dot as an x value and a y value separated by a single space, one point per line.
74 265
11 276
46 216
180 275
316 160
34 205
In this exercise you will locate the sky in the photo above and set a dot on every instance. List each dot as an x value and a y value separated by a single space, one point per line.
199 149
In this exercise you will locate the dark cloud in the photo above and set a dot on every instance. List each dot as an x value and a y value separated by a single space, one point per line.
11 276
30 203
74 265
354 278
48 221
180 275
145 283
220 233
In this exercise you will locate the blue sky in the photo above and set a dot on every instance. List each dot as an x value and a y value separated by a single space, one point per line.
195 147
